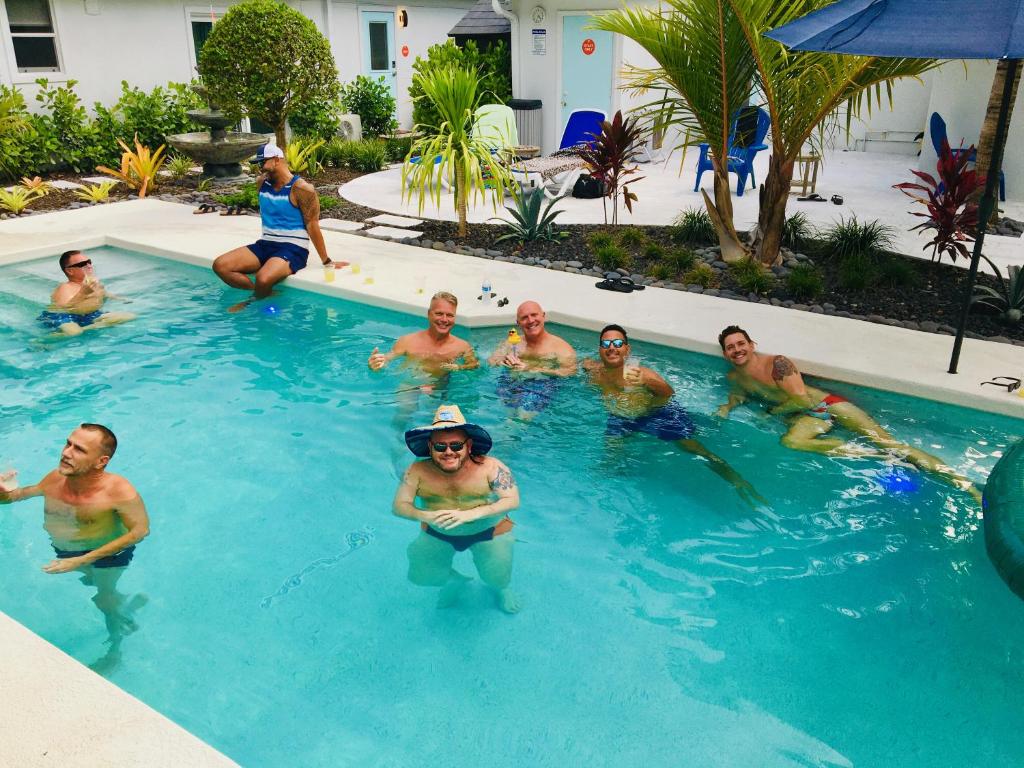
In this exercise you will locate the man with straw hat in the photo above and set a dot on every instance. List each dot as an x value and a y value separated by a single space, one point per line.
465 496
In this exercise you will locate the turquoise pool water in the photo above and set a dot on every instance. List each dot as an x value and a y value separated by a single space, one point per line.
666 624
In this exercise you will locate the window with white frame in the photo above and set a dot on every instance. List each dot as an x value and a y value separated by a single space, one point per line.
33 35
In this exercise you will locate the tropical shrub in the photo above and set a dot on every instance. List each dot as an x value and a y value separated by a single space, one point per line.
316 119
849 237
139 169
805 282
661 271
612 159
66 134
797 232
1008 300
632 237
37 185
612 256
951 200
598 240
369 155
702 275
529 222
300 154
857 271
264 60
17 199
337 152
151 116
328 202
95 193
373 102
398 148
493 67
652 251
179 166
681 260
452 153
247 197
694 226
752 276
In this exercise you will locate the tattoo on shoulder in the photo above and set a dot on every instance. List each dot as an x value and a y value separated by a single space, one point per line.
503 480
782 367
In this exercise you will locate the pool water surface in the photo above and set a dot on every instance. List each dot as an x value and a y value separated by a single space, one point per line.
854 622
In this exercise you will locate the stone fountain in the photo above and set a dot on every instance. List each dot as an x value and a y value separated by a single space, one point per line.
219 150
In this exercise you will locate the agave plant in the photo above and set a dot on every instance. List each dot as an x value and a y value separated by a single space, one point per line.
138 168
17 199
301 156
95 193
1009 299
951 201
449 152
529 222
612 159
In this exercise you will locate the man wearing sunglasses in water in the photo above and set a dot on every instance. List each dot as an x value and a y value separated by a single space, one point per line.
75 304
639 400
465 497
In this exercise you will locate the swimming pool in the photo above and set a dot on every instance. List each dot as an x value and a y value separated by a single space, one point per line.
665 623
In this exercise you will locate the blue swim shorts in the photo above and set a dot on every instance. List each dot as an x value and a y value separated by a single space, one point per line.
295 255
55 320
116 560
530 393
670 422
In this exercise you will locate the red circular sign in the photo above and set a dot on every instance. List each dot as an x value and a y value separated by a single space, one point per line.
405 50
588 46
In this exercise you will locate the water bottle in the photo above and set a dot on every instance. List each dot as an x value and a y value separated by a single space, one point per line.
485 290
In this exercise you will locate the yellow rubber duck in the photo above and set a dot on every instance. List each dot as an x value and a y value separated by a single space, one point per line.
513 337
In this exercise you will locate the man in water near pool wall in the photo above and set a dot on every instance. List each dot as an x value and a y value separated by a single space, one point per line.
810 413
75 304
534 365
94 518
639 400
290 214
465 497
435 349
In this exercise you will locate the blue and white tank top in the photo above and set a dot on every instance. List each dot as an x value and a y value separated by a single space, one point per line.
282 221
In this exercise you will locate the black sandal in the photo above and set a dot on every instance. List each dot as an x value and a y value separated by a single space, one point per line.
814 197
233 210
619 285
837 199
205 208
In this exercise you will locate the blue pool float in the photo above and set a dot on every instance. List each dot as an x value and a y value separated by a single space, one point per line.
1003 505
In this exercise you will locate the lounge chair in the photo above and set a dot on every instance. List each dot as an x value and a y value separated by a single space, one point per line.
746 139
556 173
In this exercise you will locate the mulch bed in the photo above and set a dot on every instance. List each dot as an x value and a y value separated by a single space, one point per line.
930 301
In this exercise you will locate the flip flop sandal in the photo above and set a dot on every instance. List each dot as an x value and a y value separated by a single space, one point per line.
837 199
233 210
205 208
814 197
619 285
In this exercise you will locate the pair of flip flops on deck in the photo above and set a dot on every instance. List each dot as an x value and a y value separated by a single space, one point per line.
619 285
814 197
205 208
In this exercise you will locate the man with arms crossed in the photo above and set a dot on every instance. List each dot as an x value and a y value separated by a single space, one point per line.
75 304
465 496
639 400
94 518
435 349
810 413
290 213
535 365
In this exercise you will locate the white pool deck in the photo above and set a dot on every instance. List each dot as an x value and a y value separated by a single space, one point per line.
62 712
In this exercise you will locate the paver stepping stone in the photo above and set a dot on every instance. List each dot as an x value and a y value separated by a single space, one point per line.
62 184
340 225
395 221
99 179
392 232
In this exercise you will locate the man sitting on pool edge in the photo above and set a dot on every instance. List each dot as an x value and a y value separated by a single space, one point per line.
466 496
639 400
810 412
75 304
290 215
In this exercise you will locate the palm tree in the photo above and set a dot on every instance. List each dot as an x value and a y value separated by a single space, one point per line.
802 90
449 152
988 128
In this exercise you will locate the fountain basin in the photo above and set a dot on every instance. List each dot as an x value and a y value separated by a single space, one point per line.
221 157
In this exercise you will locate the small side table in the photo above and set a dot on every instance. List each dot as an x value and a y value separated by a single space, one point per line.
806 177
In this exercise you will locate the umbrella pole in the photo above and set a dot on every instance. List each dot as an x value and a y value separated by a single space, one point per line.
988 203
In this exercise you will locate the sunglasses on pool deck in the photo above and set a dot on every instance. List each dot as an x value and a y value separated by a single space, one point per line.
456 446
617 343
86 263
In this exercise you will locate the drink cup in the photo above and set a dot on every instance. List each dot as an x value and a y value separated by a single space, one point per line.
328 273
631 370
420 283
356 269
368 276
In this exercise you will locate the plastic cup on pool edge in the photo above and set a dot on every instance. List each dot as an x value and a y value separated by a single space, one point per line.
368 276
328 273
420 283
355 268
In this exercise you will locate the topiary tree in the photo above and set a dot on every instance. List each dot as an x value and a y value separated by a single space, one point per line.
263 59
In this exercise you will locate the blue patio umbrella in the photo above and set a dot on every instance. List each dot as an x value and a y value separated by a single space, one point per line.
926 29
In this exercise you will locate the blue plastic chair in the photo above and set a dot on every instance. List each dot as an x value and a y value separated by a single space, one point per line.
937 129
581 126
741 159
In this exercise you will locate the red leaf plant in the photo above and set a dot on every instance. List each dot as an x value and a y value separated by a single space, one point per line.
951 202
612 159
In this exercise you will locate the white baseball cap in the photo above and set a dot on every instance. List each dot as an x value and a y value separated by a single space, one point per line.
268 151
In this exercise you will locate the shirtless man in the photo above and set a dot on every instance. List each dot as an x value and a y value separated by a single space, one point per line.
465 496
94 518
290 214
535 365
435 349
810 413
75 304
639 400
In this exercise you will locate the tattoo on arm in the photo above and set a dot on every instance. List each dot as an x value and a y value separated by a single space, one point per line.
782 367
309 204
503 480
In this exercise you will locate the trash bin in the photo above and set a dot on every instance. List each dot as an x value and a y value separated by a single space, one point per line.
528 120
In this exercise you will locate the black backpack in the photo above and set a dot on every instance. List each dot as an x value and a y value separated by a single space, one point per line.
588 187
